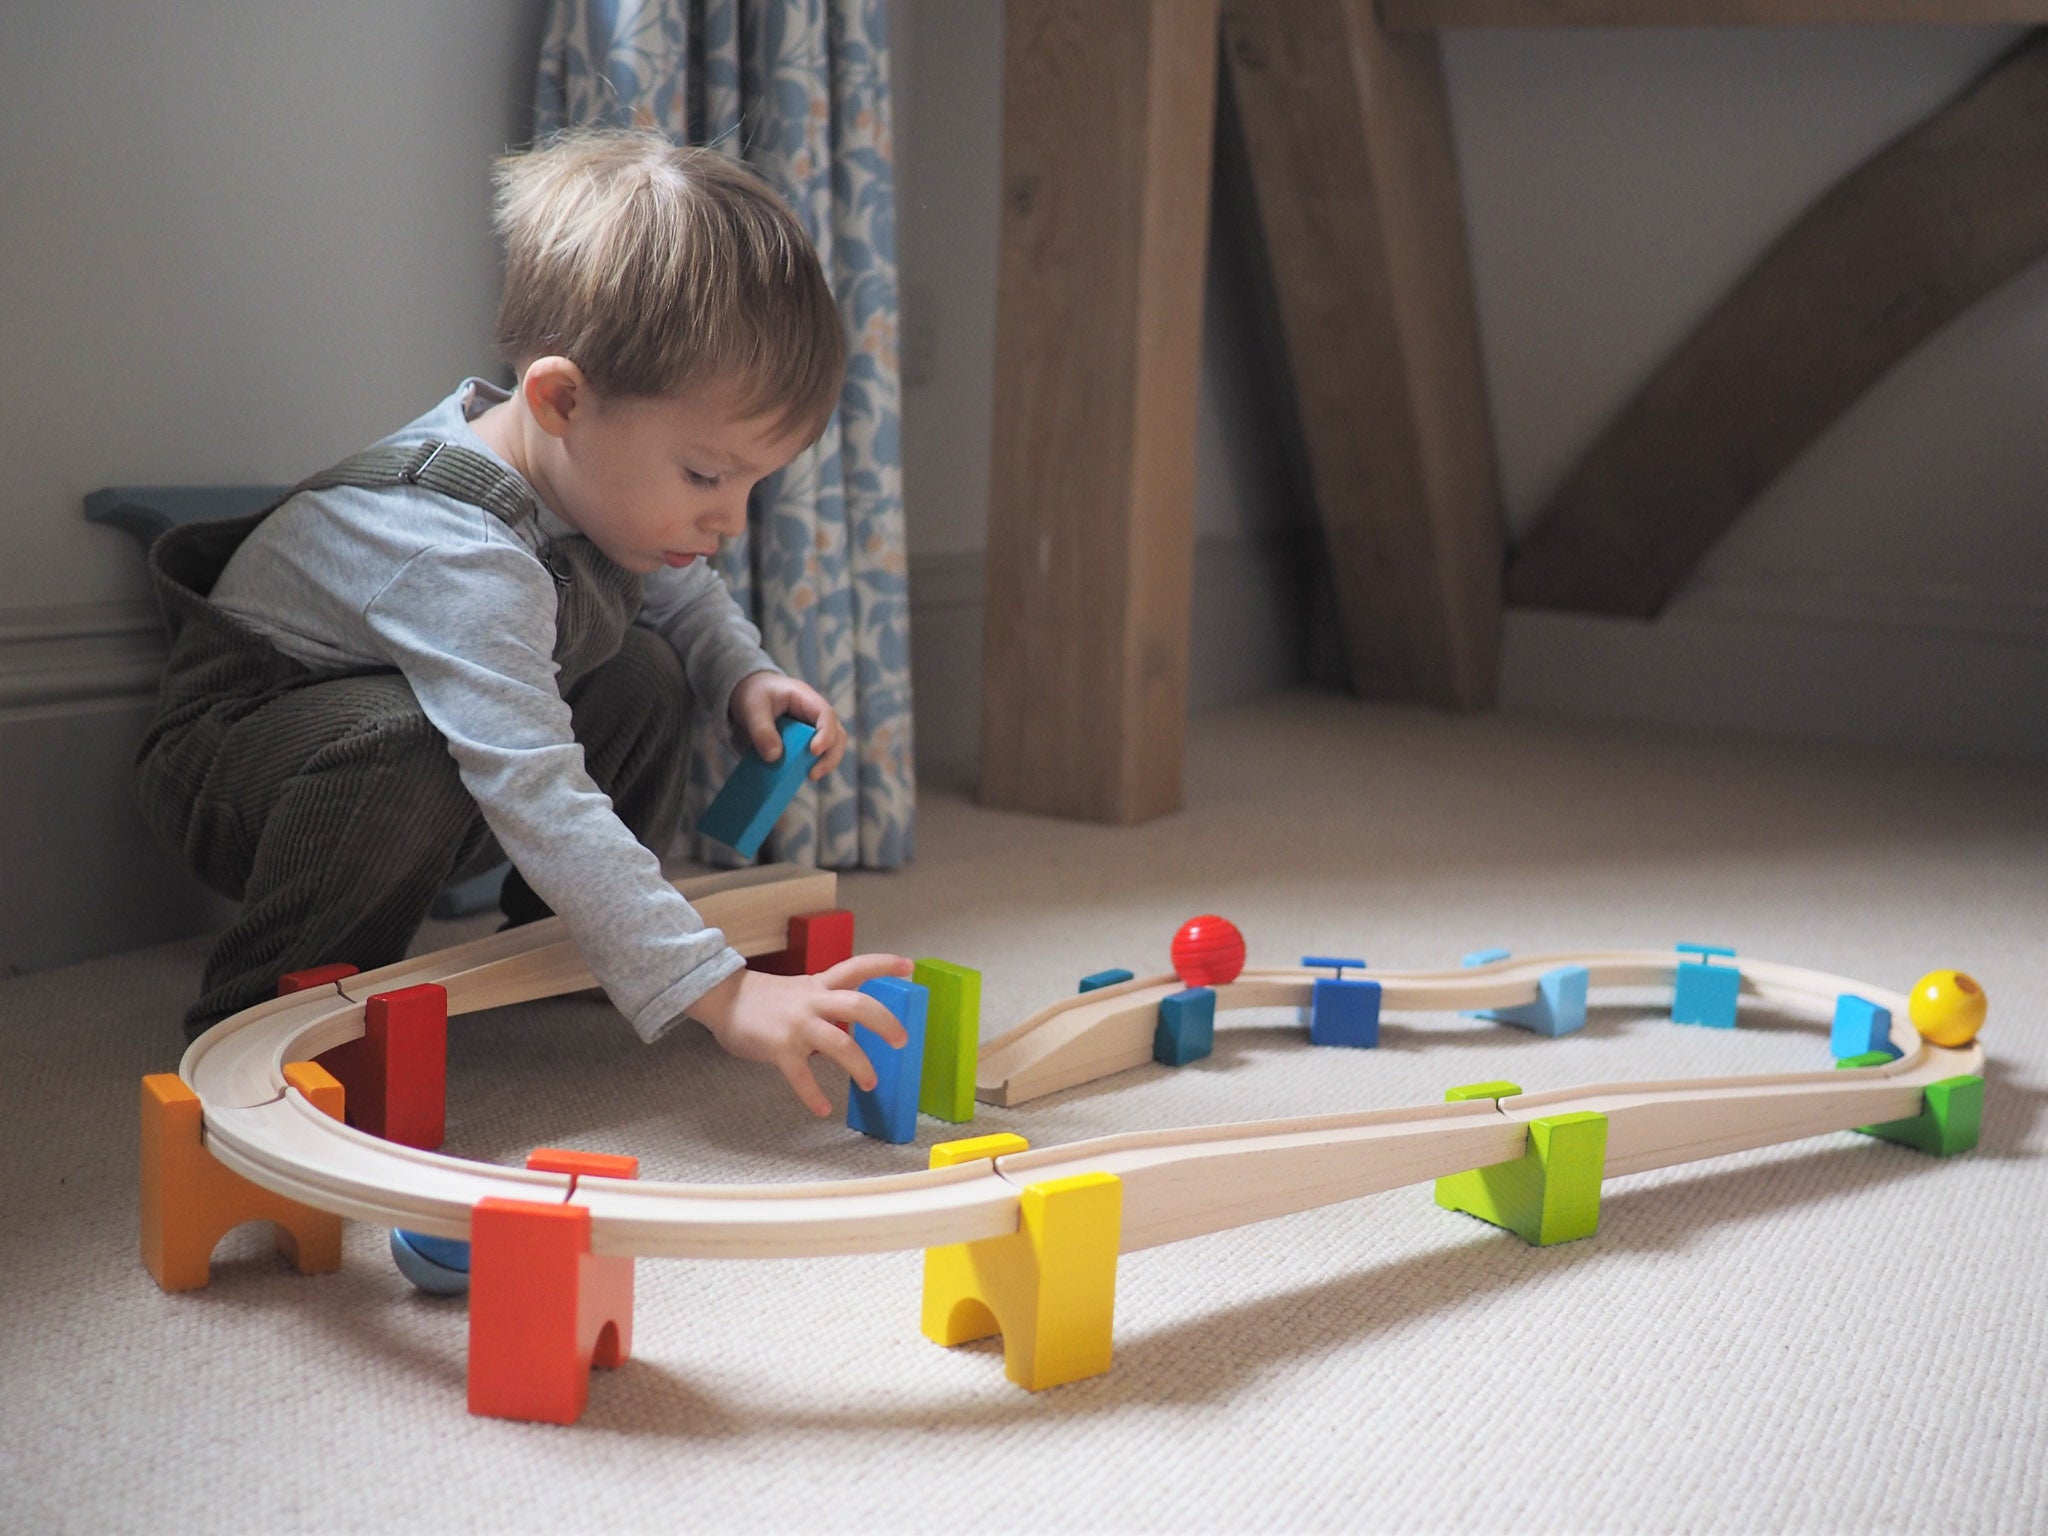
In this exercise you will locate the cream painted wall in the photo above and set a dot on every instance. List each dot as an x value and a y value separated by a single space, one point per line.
238 240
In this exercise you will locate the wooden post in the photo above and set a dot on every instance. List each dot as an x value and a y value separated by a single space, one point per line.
1108 128
1348 138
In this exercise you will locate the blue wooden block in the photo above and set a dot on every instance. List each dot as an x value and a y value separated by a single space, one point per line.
888 1111
1104 979
1706 952
1705 994
1560 1005
1344 1012
1860 1028
1186 1030
1476 958
758 792
1335 963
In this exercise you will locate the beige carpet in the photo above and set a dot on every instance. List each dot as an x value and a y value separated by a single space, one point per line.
1833 1335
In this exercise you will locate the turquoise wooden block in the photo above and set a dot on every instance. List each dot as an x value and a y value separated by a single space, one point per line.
1186 1030
759 791
1104 979
1860 1027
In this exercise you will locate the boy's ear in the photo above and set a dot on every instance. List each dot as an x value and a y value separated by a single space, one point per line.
554 390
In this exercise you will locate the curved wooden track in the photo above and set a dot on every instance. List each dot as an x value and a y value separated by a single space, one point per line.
1177 1184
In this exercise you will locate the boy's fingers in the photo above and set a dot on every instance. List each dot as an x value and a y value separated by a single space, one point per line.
761 731
836 1043
848 974
869 1011
804 1083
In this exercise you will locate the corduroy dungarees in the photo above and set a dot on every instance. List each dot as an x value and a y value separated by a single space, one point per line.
328 802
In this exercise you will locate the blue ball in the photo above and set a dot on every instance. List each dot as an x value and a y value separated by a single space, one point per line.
437 1265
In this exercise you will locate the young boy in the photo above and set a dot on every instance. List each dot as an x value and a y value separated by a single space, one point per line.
497 620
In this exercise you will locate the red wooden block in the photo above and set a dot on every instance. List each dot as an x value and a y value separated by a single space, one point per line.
543 1309
318 976
817 942
396 1075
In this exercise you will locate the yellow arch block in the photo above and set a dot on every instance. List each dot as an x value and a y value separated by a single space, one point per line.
1049 1288
190 1201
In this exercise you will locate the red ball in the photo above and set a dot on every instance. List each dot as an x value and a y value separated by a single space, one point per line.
1208 951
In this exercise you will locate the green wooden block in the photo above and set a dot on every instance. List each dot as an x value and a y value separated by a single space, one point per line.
1951 1112
952 1039
1551 1193
1495 1090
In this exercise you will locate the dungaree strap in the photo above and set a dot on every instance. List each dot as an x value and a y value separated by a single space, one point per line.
438 466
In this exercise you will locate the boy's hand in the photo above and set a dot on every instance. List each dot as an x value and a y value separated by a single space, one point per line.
788 1019
762 698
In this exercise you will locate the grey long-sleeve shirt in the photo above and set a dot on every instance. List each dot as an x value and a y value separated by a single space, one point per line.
460 603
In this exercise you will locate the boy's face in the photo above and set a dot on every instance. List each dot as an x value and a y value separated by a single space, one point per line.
656 482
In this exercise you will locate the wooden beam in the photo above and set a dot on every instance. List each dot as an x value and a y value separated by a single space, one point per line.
1411 15
1108 129
1894 251
1349 143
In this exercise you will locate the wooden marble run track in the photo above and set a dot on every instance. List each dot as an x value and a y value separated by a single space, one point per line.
1174 1184
1177 1184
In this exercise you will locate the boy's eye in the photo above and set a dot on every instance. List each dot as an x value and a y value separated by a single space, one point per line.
706 482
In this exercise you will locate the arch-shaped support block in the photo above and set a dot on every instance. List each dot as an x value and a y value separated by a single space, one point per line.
1951 1111
190 1200
1049 1288
1551 1193
543 1309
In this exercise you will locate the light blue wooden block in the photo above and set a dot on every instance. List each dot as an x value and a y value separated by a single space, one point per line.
888 1111
1560 1005
1186 1030
1104 979
1860 1028
1705 994
759 791
1476 958
1344 1013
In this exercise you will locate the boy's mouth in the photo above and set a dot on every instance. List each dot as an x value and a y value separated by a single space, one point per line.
672 557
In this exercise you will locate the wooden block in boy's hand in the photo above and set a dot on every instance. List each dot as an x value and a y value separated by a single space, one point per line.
758 792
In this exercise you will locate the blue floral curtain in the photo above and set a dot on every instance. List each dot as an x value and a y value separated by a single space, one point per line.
799 89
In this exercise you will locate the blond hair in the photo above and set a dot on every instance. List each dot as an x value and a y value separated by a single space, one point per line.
657 270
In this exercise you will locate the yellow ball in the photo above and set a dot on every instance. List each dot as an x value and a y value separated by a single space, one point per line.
1947 1008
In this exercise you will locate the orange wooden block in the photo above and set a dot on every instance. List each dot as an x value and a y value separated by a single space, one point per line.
817 942
396 1073
190 1200
543 1309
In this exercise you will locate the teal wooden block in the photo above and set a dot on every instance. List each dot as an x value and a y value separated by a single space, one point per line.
1104 979
758 791
1186 1030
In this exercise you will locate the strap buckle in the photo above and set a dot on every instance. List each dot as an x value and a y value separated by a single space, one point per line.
412 472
